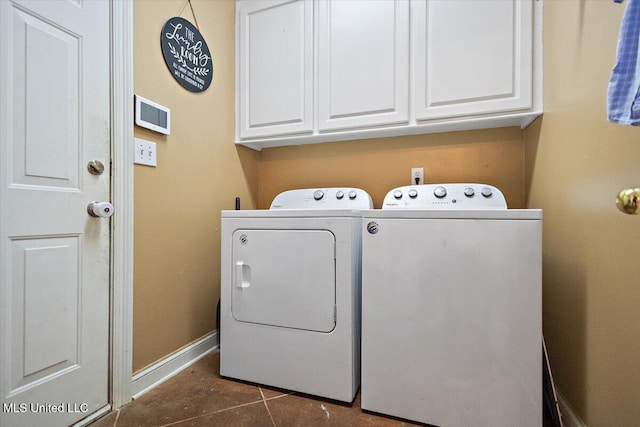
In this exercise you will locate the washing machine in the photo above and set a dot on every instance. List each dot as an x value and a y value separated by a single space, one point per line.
290 292
451 308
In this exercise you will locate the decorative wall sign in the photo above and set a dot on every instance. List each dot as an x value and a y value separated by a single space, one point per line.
186 54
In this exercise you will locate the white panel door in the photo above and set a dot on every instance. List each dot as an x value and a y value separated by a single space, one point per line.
471 57
275 67
284 278
363 61
54 257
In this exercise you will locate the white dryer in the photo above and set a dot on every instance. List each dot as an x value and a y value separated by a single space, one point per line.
451 308
290 292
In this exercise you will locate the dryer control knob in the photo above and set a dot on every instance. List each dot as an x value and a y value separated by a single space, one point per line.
318 194
339 194
440 192
487 192
397 194
352 194
413 193
469 192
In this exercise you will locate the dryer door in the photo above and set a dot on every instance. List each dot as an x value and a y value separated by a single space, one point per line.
284 278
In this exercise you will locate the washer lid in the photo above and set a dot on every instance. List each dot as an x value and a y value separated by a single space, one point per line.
445 197
323 198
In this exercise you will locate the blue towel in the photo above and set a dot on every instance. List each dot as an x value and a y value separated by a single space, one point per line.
623 98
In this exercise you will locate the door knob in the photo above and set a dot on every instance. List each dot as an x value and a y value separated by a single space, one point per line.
100 209
628 201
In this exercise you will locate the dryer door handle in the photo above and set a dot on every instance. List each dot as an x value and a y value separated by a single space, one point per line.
243 275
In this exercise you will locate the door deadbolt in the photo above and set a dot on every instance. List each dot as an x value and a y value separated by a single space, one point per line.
95 167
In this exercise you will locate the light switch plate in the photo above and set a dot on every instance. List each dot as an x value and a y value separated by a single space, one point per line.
145 152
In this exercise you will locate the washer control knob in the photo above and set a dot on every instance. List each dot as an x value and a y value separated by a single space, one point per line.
440 192
469 192
413 193
318 194
352 194
487 192
397 194
339 194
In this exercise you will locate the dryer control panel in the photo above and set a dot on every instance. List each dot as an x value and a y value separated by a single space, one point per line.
445 196
323 198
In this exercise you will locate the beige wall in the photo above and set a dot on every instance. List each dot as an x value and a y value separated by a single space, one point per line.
494 156
576 163
199 173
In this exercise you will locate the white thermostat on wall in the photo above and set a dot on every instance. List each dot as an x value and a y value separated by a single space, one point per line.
152 116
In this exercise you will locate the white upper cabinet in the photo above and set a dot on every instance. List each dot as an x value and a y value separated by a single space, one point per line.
472 57
363 60
332 70
274 68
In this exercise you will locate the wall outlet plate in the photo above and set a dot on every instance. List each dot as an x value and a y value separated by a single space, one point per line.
145 152
417 173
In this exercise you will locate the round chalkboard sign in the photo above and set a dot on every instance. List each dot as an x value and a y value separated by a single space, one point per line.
186 54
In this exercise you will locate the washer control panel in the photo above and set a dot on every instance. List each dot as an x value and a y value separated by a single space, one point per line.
445 197
323 198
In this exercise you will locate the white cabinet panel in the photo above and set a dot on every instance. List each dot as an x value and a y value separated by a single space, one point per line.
472 57
274 62
335 70
363 59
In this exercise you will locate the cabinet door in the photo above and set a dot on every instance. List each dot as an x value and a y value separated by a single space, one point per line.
363 59
471 57
274 63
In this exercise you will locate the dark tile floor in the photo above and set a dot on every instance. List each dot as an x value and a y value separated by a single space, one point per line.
198 396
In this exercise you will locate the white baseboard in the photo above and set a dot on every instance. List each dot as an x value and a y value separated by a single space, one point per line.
166 368
569 417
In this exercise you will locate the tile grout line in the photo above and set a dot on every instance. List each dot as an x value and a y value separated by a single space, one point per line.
115 422
264 400
210 413
280 396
